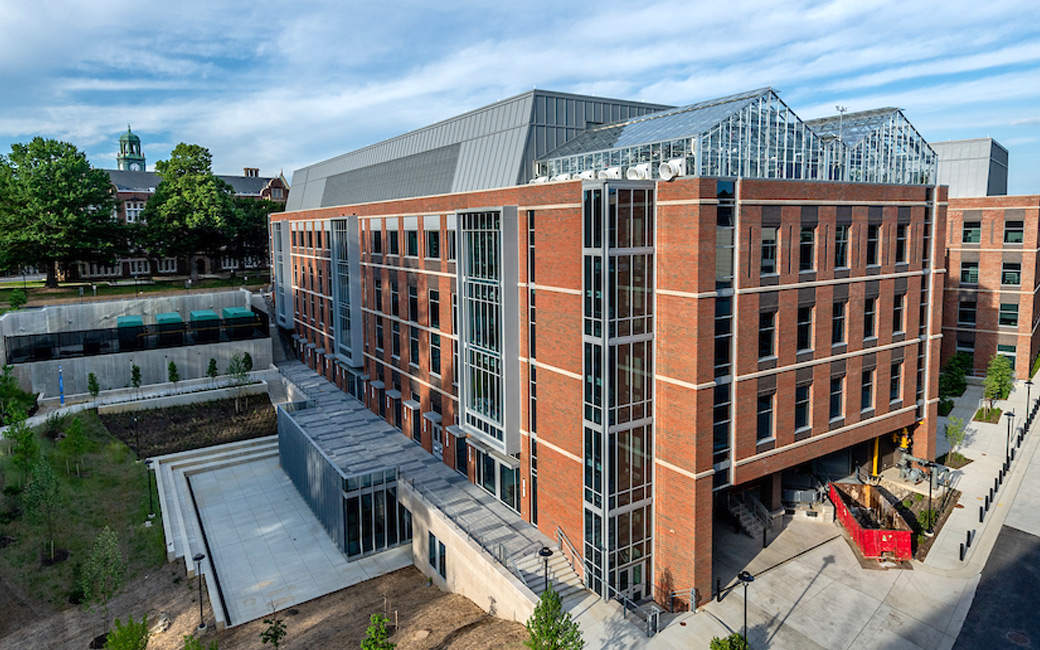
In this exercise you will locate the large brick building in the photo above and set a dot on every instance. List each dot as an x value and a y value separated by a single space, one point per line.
682 307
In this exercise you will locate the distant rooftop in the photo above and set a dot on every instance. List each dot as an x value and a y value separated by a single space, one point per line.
135 181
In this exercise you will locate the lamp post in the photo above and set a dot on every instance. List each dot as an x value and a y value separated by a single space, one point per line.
1029 386
545 552
137 438
1007 445
148 470
199 557
747 579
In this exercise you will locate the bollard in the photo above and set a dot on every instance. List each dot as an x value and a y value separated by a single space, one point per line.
967 539
962 551
1012 453
982 515
718 590
971 537
987 499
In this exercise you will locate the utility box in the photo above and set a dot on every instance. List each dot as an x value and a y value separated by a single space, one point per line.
171 328
205 325
239 322
131 332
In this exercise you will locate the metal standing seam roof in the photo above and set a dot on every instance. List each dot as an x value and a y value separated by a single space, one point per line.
682 122
358 441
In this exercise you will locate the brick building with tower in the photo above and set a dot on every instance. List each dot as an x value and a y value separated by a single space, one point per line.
625 321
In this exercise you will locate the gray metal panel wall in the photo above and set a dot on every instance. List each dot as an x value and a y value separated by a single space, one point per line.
975 167
430 172
314 476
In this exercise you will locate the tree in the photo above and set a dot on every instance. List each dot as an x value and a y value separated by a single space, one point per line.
93 387
954 433
74 444
998 381
550 627
247 361
211 370
55 209
24 450
132 636
12 396
43 499
17 298
274 632
135 376
236 370
103 572
190 206
377 638
245 234
172 373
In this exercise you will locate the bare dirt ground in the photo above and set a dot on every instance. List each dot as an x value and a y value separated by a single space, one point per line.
429 618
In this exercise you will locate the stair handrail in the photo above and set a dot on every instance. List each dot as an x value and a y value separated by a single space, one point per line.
575 559
759 509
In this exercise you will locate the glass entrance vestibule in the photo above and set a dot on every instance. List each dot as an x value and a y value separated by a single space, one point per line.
374 520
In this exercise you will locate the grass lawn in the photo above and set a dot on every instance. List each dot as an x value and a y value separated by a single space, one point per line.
987 415
113 492
954 460
38 294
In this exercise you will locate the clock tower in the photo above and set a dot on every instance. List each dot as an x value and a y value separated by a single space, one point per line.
130 158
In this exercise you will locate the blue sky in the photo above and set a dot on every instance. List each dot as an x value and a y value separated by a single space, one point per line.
282 85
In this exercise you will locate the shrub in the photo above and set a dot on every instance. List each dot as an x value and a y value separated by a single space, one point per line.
735 641
54 425
172 373
928 518
954 432
191 643
274 632
376 637
92 385
132 636
550 627
17 298
135 376
103 572
945 406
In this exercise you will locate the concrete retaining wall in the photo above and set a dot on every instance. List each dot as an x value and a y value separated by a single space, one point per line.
184 398
471 571
113 370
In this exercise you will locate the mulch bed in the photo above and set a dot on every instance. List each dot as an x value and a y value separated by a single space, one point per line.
992 416
178 428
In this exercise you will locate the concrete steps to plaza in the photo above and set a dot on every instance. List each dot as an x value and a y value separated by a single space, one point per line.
182 528
562 576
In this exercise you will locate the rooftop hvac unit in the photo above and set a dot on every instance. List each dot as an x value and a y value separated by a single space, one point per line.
610 173
538 180
561 177
674 167
639 172
587 175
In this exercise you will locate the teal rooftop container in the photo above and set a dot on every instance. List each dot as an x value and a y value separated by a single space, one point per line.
129 321
239 322
131 329
171 328
170 318
206 324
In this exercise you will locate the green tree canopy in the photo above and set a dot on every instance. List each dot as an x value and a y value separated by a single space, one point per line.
190 208
999 379
550 627
55 209
245 231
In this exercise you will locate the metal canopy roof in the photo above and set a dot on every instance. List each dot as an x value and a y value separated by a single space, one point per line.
852 127
682 122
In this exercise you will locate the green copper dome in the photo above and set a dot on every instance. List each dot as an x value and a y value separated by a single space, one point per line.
129 136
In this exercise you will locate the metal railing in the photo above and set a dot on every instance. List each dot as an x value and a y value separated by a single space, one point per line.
571 554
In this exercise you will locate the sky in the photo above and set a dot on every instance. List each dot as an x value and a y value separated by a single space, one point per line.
283 85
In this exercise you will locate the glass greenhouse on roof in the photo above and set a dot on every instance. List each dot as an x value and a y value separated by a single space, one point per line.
749 135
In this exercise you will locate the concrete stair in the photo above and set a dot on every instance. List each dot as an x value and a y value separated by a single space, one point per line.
749 523
562 576
181 526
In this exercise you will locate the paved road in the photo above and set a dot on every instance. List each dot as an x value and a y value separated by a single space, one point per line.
1004 612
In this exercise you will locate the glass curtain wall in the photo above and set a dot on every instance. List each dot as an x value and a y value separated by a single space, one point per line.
341 269
618 409
374 520
279 272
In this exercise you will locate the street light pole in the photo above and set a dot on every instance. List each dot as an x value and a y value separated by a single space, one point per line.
747 579
148 470
199 557
545 552
931 513
1029 386
1007 445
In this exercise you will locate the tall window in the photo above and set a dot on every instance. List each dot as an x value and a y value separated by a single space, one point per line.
433 244
765 416
435 353
805 248
377 241
413 303
838 323
869 317
395 339
1014 232
766 334
805 328
969 272
837 393
966 312
1011 273
1008 314
378 286
972 232
413 242
413 346
768 250
435 308
395 299
379 334
896 382
873 244
393 242
841 247
133 211
801 406
897 313
866 391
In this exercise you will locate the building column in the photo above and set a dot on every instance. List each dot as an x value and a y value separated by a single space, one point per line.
682 539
